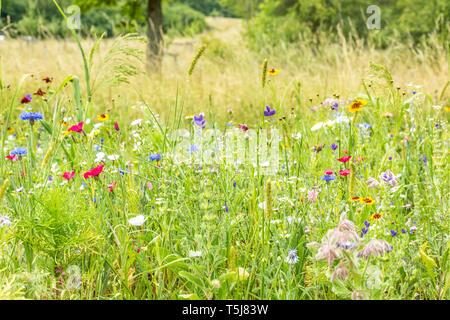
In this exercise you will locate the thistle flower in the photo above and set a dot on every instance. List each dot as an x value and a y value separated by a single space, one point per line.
375 248
292 257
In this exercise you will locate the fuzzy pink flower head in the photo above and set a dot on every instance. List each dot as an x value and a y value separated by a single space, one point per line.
340 272
312 195
373 183
375 248
328 253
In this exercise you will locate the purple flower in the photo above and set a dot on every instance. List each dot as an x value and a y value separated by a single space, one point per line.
425 159
335 106
155 157
403 230
393 233
269 112
333 146
200 121
234 184
367 224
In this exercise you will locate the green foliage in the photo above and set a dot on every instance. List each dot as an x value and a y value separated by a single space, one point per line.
290 20
180 19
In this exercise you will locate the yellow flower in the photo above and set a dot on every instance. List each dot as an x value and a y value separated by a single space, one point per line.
10 130
356 105
273 71
189 116
447 109
354 199
376 216
367 200
102 117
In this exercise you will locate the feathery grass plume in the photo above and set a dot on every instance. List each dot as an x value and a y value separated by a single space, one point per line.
195 60
3 189
380 72
123 60
268 197
47 155
264 73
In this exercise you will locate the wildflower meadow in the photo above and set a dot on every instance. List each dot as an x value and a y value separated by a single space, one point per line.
229 175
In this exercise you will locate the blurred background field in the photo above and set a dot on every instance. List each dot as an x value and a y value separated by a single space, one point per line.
322 48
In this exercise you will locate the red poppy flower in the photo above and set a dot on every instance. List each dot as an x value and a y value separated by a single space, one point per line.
111 186
93 172
47 80
116 126
13 157
39 92
344 159
68 175
77 127
328 172
345 172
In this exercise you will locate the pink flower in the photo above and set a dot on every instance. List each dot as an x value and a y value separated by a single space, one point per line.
375 248
68 175
345 172
344 159
150 186
116 126
328 172
77 127
12 158
312 195
93 172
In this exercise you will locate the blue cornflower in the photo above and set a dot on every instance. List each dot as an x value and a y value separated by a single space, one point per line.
269 112
19 151
333 146
155 157
414 92
200 121
328 178
31 116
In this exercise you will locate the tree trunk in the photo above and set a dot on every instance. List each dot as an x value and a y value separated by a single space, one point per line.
154 34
